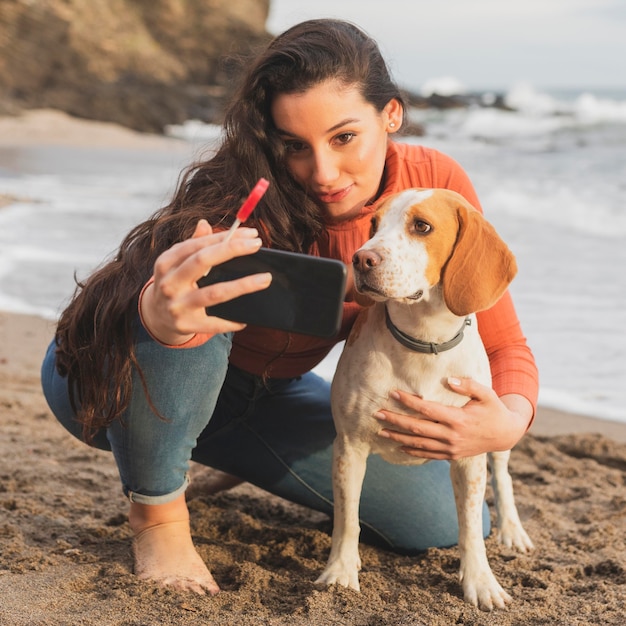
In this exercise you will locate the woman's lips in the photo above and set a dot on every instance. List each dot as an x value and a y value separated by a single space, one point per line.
334 196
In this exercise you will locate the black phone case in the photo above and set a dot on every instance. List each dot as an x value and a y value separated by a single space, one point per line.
305 296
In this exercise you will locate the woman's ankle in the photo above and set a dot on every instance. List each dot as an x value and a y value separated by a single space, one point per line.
142 516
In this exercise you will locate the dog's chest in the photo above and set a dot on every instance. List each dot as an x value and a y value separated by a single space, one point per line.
373 364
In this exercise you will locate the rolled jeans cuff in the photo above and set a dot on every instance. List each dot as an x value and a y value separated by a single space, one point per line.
140 498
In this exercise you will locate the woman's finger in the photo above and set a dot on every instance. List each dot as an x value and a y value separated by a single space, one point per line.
418 446
469 387
211 247
203 229
202 261
412 424
426 409
228 290
198 261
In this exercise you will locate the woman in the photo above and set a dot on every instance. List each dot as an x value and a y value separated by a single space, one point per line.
139 368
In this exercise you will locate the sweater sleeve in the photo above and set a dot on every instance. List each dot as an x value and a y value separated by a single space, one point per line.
513 367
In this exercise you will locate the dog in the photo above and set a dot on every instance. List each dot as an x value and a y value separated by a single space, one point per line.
431 263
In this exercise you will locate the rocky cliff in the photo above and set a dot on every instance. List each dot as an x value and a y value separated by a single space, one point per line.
140 63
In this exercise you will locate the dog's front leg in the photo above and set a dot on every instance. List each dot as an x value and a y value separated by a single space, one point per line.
480 587
511 533
344 563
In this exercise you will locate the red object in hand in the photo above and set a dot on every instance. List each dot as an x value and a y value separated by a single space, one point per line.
248 206
252 200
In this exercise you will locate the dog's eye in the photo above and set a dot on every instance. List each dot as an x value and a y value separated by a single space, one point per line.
421 227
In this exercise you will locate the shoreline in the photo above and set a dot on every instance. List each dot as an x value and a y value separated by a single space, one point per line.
24 339
47 127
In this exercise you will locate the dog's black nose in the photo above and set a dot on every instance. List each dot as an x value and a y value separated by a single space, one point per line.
365 260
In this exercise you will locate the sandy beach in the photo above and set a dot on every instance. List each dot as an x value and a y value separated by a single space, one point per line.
65 542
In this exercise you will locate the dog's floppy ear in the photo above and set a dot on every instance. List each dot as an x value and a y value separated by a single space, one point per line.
481 265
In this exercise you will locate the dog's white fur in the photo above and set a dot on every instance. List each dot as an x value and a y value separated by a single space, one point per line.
432 261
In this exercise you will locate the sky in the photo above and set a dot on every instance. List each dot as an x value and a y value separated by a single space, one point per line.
485 44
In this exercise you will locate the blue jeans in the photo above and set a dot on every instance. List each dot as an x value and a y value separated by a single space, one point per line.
275 434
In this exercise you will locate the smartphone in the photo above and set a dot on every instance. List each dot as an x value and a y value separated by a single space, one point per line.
305 296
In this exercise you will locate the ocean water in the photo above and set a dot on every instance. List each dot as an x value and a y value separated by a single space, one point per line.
551 177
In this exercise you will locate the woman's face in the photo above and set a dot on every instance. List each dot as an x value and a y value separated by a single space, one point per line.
336 144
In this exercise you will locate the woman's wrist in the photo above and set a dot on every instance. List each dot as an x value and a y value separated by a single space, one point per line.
149 321
522 412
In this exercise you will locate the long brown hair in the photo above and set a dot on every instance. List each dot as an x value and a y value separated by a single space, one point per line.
95 333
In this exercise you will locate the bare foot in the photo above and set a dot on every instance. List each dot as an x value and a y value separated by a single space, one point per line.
163 549
165 554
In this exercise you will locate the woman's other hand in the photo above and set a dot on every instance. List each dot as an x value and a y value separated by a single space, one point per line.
486 423
173 306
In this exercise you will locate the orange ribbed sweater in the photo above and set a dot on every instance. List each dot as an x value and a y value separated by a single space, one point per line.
281 355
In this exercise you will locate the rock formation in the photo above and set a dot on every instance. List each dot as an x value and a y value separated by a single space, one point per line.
140 63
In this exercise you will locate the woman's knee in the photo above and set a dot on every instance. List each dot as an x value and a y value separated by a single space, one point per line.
409 509
56 392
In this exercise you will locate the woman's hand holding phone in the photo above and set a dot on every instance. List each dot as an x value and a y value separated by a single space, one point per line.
173 307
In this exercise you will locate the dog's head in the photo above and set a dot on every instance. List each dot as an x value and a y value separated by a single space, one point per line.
433 238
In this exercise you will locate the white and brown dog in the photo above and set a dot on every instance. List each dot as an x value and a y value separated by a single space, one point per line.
432 262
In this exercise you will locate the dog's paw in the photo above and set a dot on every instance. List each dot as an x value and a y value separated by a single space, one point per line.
341 573
513 535
483 590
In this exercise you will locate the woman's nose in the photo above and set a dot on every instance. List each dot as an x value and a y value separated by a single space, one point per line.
325 169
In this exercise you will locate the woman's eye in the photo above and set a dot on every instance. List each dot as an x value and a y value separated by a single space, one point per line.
421 227
295 147
344 138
